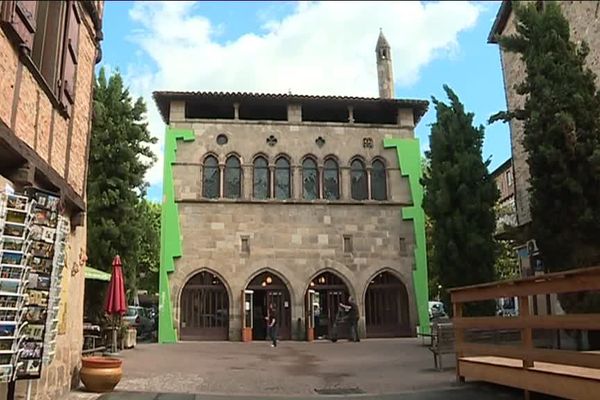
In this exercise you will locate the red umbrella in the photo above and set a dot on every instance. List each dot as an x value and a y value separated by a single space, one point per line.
116 304
115 297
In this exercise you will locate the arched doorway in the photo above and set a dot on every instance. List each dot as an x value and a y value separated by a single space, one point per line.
326 291
386 307
204 308
268 288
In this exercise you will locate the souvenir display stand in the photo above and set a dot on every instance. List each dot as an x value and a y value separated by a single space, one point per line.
32 256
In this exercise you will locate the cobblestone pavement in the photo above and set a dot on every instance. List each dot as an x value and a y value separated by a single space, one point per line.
218 370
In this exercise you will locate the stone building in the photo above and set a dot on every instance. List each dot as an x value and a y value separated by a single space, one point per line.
506 212
47 57
584 20
293 200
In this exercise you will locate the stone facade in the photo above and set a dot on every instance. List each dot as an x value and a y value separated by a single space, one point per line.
295 238
44 142
506 213
584 20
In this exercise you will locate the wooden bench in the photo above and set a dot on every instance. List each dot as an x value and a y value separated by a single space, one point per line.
442 342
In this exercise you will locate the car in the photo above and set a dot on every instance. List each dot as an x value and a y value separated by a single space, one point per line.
138 318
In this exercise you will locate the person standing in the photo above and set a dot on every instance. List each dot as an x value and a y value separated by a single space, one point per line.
272 325
352 309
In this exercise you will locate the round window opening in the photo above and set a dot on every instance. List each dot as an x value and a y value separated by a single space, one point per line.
222 139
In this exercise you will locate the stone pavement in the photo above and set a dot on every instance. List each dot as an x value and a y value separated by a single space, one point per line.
371 369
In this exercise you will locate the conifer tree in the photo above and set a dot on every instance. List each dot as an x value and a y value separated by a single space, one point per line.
459 200
561 118
119 158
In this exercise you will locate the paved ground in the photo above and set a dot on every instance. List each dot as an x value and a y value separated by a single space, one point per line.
220 370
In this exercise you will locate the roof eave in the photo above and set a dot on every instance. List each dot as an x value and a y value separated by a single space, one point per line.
500 21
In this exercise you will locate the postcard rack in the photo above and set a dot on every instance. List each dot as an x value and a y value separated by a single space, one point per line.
15 244
42 297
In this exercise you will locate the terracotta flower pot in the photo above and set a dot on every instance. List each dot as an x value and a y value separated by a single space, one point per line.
100 374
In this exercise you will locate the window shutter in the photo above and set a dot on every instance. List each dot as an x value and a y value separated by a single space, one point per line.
19 16
69 62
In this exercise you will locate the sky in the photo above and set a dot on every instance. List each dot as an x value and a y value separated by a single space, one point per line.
318 48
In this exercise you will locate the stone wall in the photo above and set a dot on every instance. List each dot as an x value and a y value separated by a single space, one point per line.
295 238
584 19
62 142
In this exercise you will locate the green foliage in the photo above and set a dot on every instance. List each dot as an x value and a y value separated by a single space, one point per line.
149 245
507 264
561 119
459 200
119 158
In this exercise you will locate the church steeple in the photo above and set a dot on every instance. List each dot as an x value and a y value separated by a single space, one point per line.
384 67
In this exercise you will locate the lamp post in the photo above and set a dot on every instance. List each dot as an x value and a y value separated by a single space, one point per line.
438 293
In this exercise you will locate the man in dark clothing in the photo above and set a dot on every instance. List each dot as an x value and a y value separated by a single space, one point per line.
353 317
272 325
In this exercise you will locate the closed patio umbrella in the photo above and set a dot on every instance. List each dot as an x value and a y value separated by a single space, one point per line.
116 304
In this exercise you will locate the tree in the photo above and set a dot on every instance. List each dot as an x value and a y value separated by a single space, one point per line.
561 119
149 245
119 158
507 264
459 200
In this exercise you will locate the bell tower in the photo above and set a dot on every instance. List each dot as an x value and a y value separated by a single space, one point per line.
384 67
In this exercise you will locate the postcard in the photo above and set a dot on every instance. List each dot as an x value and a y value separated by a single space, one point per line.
42 249
32 350
12 244
34 332
13 230
33 367
7 330
41 265
9 286
8 315
37 298
11 258
36 314
8 301
15 216
17 202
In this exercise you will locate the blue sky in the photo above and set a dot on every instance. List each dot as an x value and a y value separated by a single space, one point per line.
281 46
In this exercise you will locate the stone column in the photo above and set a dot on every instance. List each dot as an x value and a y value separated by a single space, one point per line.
369 170
221 180
271 181
247 181
296 176
345 183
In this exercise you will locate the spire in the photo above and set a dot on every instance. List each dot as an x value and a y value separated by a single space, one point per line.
382 41
384 67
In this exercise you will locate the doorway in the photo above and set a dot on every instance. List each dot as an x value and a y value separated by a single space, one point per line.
204 308
326 291
386 307
269 288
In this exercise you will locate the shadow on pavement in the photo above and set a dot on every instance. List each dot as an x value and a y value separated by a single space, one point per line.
464 392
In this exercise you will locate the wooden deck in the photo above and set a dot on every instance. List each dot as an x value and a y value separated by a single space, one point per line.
565 373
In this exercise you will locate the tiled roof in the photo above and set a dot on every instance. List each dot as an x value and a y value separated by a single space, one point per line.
163 98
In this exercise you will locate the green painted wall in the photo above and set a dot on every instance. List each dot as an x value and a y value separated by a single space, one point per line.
409 160
170 238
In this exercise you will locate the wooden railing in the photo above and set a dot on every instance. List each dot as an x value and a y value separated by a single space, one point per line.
522 356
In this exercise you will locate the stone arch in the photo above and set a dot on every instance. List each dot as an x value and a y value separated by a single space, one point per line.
201 314
351 289
275 289
387 304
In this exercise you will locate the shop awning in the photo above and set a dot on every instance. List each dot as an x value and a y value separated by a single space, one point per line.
96 274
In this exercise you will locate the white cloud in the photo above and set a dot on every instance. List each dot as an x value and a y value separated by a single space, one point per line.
323 48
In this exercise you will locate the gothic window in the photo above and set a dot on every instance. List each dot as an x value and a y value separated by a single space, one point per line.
233 178
211 181
262 181
378 181
331 180
282 179
310 180
358 175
